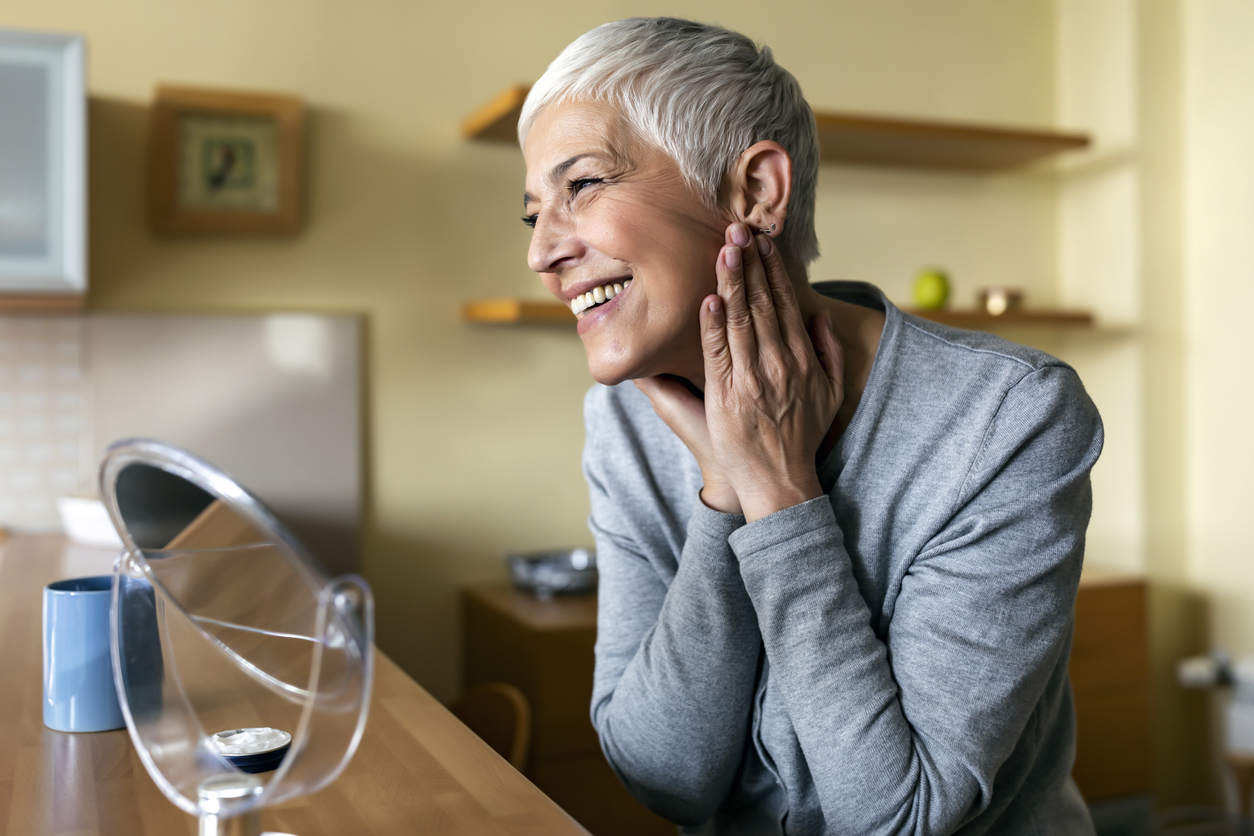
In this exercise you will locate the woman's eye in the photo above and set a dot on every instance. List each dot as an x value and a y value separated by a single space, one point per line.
530 220
576 186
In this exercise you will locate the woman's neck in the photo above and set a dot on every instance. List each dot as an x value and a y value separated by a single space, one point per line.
858 330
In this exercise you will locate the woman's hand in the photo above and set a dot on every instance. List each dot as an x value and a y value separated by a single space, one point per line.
771 389
684 413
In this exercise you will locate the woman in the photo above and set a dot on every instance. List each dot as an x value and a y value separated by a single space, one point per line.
839 545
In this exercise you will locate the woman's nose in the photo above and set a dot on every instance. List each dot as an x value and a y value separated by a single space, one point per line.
551 244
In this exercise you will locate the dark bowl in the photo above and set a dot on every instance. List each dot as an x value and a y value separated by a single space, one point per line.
557 572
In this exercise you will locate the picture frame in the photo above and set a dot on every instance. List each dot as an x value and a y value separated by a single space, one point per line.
43 170
225 162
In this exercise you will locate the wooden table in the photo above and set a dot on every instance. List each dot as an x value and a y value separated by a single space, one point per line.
418 771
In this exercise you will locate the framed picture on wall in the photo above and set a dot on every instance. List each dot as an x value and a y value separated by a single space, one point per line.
225 162
43 166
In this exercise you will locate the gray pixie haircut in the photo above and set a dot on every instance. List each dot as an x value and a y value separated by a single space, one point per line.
702 94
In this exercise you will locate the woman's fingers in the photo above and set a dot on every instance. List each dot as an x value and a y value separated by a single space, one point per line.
684 413
714 345
679 409
737 321
788 313
758 295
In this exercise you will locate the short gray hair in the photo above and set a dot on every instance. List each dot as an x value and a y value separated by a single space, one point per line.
701 94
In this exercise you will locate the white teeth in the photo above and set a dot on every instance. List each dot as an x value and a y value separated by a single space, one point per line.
597 295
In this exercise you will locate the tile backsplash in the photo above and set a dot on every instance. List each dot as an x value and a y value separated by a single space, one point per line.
44 433
272 399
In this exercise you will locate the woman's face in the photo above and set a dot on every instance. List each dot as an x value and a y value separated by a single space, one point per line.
609 209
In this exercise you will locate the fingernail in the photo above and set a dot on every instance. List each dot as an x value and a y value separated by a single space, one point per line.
731 255
740 235
712 305
764 244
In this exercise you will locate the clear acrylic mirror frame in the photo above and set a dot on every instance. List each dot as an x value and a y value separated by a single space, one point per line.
335 647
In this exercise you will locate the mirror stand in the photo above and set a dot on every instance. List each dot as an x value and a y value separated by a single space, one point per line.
224 788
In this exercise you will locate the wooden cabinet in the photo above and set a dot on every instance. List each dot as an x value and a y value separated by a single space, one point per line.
545 649
1110 679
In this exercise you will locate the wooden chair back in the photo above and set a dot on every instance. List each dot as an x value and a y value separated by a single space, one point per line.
499 713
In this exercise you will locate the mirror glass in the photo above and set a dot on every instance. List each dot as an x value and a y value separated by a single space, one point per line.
223 628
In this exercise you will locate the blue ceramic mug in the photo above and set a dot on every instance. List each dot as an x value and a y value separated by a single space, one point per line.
79 695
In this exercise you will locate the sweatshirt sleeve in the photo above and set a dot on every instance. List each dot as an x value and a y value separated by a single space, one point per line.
676 662
907 735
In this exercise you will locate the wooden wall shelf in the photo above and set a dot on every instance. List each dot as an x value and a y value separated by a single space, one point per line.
859 138
517 312
497 121
918 143
41 303
977 320
528 312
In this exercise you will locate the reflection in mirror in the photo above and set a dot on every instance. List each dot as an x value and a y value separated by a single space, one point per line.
221 623
156 505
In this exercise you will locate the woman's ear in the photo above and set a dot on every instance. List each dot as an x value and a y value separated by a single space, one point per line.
760 185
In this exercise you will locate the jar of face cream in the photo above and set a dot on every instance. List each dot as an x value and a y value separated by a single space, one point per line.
252 750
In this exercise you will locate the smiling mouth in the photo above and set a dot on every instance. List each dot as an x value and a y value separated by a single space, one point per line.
597 296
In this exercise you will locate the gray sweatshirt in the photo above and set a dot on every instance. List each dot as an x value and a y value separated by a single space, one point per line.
889 658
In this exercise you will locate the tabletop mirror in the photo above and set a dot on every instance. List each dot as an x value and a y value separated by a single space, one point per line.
243 670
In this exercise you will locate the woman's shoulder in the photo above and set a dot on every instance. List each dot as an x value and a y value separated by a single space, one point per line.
979 368
966 400
998 401
972 349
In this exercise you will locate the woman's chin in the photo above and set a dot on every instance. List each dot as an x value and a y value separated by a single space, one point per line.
611 366
614 358
609 374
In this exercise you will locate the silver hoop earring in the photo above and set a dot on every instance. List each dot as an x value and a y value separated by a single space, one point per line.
767 231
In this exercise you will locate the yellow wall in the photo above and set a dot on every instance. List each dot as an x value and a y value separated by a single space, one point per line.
475 433
1218 341
1219 397
1182 755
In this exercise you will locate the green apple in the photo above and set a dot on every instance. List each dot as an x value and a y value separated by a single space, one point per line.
931 288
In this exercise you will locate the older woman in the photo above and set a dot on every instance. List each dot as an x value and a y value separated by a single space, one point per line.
839 545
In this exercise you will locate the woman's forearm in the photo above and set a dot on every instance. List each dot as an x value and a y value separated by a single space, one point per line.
872 772
675 676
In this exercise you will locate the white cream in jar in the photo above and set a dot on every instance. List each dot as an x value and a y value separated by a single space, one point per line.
249 741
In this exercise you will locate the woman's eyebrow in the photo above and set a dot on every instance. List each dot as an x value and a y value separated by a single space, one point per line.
558 172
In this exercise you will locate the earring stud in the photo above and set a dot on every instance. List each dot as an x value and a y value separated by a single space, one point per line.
766 231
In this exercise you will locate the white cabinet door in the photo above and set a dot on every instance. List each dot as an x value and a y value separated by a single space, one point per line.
43 186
